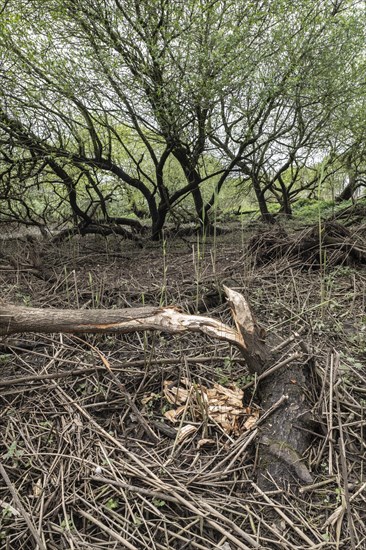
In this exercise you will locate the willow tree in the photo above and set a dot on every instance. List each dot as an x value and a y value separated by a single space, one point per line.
81 75
347 137
279 111
122 92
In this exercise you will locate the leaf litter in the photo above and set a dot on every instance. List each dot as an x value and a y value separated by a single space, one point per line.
222 404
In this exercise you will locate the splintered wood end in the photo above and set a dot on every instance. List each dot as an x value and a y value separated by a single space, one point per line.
240 310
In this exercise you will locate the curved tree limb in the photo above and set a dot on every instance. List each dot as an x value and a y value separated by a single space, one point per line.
15 319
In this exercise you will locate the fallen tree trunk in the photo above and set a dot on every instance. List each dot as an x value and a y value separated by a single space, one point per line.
285 434
15 319
282 389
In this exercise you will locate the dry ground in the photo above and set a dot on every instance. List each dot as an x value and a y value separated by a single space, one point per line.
78 470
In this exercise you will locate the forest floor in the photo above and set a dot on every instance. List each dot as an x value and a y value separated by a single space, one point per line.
77 467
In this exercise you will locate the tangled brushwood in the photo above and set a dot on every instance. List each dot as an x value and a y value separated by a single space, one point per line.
326 244
89 456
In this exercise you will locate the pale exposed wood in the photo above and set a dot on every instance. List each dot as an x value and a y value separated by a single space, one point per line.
241 311
282 441
255 350
15 319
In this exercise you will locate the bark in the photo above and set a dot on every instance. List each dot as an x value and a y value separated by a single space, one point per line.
350 188
286 203
135 224
15 319
158 223
284 437
266 216
282 440
103 229
189 167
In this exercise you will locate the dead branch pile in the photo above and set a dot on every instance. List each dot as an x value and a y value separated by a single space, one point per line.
356 213
77 470
327 245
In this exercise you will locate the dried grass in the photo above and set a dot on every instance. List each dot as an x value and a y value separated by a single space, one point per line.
78 470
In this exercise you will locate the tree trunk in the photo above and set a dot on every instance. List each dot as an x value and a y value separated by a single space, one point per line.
283 437
262 203
282 390
15 319
350 188
286 203
202 216
158 223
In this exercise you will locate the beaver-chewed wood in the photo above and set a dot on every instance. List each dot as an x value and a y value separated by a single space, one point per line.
282 439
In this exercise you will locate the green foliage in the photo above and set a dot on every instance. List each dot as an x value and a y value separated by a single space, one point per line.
162 108
158 502
309 210
112 504
67 524
14 453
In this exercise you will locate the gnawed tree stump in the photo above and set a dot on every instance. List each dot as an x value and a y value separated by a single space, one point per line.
283 437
